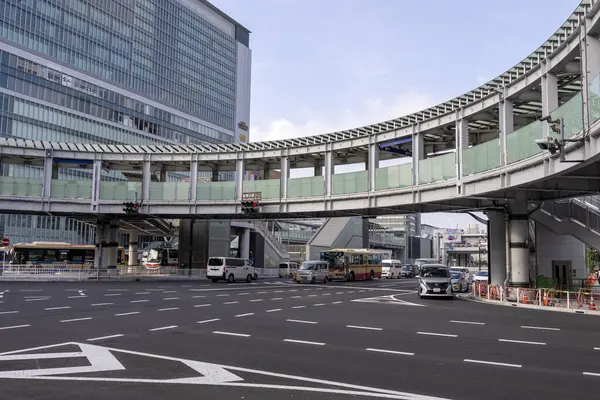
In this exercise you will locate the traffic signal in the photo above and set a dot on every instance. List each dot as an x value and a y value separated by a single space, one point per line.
250 207
131 207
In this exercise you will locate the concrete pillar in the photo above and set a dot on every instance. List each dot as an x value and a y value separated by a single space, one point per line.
519 244
549 98
497 247
245 243
418 154
461 142
146 179
113 246
329 171
96 184
239 178
163 173
372 165
507 125
105 242
133 247
318 167
193 180
366 242
48 174
98 252
284 177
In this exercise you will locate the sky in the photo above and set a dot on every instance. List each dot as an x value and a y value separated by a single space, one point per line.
320 66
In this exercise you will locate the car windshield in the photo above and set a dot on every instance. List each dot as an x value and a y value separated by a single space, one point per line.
307 266
405 268
435 272
455 275
482 273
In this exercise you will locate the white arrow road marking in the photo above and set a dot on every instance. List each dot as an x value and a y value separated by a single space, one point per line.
102 359
390 299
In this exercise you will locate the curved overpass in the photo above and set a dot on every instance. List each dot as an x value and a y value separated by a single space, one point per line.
473 152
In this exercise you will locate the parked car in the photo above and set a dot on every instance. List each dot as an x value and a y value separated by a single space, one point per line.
481 277
460 282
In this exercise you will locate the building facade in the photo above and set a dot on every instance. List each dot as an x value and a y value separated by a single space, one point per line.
117 72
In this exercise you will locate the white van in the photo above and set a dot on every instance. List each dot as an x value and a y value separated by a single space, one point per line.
287 269
391 269
230 269
313 271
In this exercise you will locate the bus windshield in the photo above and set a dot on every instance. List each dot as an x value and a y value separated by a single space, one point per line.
155 255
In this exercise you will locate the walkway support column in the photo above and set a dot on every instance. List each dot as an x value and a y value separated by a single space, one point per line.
418 153
146 179
519 244
48 174
239 177
193 180
461 143
366 242
549 98
133 247
497 247
98 252
284 177
113 247
507 126
372 165
244 242
329 171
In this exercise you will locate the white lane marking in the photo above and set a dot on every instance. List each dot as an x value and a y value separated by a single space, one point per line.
14 327
326 294
299 321
57 308
368 328
277 298
142 293
352 291
154 290
402 353
596 348
162 328
113 294
306 289
273 310
206 321
591 374
30 290
521 342
243 294
170 291
304 342
198 297
337 302
467 322
171 298
244 315
76 319
223 295
540 328
293 290
127 313
261 292
117 290
8 312
38 299
102 304
278 291
168 309
231 334
202 305
437 334
77 297
318 305
312 295
299 307
139 301
492 363
255 300
295 297
339 293
231 302
105 337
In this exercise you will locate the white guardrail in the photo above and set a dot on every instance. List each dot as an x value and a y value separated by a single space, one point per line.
71 273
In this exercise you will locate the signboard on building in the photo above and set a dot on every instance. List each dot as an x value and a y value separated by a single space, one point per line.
453 236
249 196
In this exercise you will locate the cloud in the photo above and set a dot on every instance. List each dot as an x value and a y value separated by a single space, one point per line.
315 122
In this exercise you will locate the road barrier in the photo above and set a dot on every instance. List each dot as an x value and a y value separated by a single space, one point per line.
65 272
584 299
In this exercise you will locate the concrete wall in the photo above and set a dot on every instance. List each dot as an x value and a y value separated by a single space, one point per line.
550 246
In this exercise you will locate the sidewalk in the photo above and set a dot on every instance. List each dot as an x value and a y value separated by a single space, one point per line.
476 299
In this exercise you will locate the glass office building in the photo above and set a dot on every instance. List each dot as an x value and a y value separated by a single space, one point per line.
117 72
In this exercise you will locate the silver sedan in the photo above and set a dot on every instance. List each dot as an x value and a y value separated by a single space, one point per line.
460 283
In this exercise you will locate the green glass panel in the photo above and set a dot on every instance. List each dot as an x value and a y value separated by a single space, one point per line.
24 187
437 168
483 157
120 190
594 101
425 171
71 189
216 190
269 188
572 114
169 191
351 182
394 177
448 162
521 143
306 187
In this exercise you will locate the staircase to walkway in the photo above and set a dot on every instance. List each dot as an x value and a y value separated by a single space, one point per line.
263 228
340 232
577 217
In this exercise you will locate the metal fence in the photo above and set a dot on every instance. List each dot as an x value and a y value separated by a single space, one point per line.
69 273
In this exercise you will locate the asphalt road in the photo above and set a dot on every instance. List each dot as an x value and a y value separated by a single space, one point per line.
274 339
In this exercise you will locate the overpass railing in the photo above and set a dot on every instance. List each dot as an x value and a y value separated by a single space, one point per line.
68 273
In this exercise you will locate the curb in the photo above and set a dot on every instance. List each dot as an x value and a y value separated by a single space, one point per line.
469 297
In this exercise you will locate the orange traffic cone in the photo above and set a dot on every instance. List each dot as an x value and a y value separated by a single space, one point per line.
546 298
525 300
592 305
